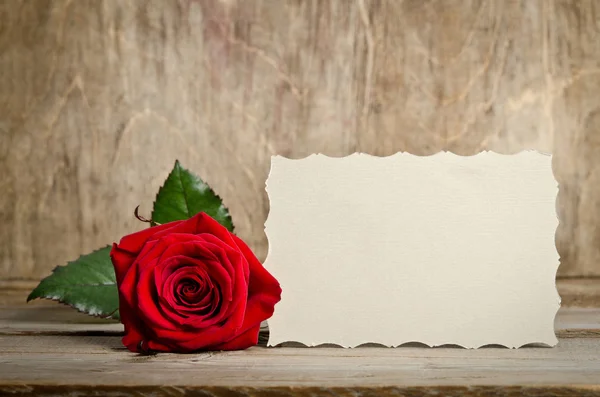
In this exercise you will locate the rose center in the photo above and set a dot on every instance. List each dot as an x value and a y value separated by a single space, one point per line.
189 290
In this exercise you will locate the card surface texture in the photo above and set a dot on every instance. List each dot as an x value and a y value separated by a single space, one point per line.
440 249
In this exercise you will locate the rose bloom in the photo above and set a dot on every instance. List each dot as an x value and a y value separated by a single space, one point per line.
191 285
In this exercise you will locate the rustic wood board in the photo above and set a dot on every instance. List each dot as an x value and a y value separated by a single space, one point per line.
99 98
208 391
102 361
50 349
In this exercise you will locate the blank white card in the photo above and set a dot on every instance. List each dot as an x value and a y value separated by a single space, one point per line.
440 249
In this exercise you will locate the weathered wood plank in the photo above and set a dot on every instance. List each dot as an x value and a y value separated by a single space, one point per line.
50 349
98 98
55 360
208 391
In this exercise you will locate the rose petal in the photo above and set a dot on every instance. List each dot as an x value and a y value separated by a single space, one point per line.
187 341
121 260
189 316
148 301
132 325
264 290
192 288
202 297
220 247
185 244
127 280
199 224
243 341
200 248
154 346
127 302
152 309
177 242
239 267
161 248
134 242
194 299
213 268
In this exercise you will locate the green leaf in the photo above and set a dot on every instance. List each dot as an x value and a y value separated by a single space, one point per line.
88 284
184 195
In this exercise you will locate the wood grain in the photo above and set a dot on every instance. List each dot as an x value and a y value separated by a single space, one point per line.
209 391
70 360
579 292
49 349
99 98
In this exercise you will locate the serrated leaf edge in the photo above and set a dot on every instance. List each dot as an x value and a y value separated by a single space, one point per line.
107 317
178 164
74 306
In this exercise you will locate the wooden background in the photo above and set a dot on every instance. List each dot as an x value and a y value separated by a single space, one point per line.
98 98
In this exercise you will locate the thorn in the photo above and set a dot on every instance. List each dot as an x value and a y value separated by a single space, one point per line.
139 217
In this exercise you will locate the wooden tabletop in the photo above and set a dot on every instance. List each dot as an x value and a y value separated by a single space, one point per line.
49 349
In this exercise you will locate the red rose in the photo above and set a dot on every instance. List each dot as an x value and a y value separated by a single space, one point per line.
191 285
